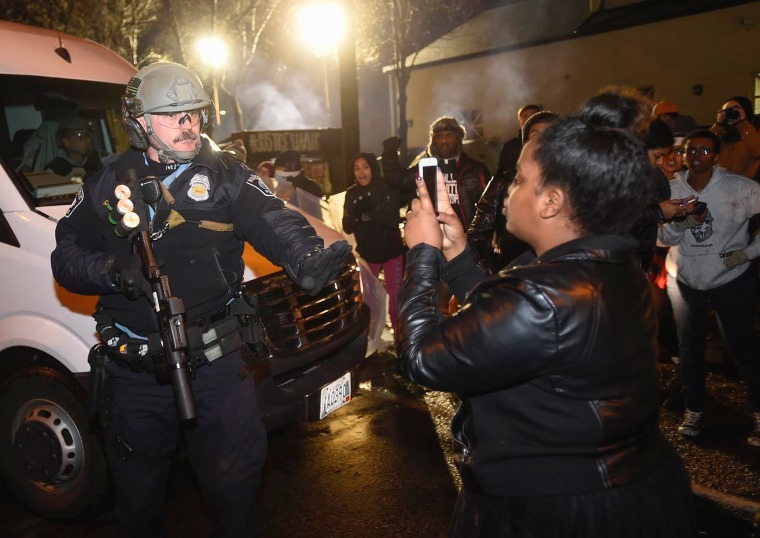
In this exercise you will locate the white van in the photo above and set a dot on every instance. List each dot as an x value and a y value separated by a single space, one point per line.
50 455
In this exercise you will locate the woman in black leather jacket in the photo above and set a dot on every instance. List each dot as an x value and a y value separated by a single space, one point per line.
554 360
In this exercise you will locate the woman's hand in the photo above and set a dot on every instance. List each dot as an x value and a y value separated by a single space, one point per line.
421 222
454 239
443 231
672 209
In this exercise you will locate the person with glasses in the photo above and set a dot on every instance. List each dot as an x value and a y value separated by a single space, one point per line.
708 266
735 125
75 137
209 205
672 163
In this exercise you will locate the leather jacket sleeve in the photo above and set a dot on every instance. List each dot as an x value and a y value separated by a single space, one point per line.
504 336
481 229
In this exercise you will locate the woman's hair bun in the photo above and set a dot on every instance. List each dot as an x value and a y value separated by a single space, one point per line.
623 109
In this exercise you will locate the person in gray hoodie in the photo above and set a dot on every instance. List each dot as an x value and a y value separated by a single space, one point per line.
708 266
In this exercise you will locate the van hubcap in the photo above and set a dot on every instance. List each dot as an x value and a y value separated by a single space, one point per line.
48 444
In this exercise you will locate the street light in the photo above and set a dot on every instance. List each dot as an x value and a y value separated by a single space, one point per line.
213 52
321 26
328 27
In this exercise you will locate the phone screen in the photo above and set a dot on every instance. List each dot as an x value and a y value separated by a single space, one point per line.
430 176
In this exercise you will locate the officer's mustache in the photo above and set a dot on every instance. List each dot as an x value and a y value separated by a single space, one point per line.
186 134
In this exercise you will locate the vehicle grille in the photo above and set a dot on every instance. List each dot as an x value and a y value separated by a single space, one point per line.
295 322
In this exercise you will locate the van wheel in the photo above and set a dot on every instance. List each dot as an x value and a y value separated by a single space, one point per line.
49 457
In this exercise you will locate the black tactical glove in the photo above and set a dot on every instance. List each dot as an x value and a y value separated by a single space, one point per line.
318 268
125 272
392 144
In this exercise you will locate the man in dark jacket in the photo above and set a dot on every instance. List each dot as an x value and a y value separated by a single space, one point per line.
210 204
465 178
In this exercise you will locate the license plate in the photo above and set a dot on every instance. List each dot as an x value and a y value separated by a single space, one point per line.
335 395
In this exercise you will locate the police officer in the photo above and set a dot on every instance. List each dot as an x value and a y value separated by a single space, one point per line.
211 204
75 136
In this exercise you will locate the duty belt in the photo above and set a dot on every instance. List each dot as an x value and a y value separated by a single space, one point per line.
209 338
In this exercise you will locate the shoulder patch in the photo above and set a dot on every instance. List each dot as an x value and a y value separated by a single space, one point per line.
258 183
76 203
199 188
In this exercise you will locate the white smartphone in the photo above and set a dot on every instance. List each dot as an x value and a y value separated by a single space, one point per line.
428 171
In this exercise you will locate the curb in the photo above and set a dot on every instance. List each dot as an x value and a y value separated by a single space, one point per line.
738 503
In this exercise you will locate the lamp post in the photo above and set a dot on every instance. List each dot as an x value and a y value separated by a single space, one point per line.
213 53
321 26
325 26
349 89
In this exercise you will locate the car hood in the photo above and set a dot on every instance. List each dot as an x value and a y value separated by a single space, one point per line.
55 212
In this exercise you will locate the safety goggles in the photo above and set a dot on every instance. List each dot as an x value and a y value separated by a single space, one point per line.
178 120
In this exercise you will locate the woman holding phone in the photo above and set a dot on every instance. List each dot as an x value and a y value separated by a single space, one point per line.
554 360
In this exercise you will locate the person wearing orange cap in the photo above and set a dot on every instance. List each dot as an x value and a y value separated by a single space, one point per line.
668 112
664 110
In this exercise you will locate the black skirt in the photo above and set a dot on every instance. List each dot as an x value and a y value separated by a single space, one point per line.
660 505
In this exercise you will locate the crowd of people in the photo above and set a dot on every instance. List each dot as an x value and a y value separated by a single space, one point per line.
563 262
629 216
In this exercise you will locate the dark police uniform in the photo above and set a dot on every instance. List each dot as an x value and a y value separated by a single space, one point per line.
223 204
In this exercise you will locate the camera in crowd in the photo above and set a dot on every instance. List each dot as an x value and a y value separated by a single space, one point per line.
730 115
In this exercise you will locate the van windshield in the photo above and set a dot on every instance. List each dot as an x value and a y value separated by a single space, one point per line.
55 133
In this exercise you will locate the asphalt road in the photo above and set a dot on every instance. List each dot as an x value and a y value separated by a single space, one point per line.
382 467
373 468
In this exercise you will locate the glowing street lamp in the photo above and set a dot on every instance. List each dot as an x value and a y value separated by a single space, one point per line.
321 26
327 27
213 52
